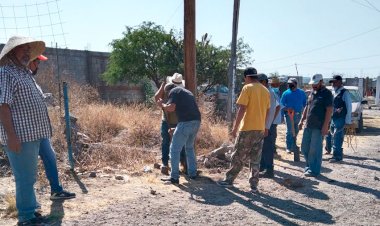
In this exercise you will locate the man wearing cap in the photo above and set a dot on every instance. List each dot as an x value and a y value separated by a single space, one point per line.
183 103
168 123
341 116
266 164
317 115
24 121
46 150
293 99
253 110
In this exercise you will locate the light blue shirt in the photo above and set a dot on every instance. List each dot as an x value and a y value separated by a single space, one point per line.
272 109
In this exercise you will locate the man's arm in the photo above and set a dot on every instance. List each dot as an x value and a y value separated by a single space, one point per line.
160 92
278 108
326 123
347 100
239 117
304 114
13 143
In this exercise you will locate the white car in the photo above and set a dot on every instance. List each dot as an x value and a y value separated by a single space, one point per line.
357 106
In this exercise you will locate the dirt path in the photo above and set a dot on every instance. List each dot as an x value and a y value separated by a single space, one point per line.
347 193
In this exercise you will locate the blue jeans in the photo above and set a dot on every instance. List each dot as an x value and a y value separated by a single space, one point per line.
269 148
289 135
24 167
312 150
165 145
335 140
184 135
49 160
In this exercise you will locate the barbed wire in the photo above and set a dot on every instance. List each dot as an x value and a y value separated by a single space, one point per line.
41 19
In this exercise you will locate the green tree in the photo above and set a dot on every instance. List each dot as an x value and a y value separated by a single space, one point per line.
212 61
144 52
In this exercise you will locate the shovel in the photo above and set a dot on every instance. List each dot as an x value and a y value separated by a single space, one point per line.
296 149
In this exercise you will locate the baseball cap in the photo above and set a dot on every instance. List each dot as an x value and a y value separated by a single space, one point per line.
292 80
316 79
336 78
250 71
42 58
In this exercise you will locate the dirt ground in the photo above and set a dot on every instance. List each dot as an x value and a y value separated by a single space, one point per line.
346 193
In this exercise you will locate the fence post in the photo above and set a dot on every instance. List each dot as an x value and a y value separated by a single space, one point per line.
68 127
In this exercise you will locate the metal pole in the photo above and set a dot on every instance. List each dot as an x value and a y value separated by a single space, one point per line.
68 127
232 67
59 81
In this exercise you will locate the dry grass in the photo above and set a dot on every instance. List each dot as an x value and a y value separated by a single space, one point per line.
126 136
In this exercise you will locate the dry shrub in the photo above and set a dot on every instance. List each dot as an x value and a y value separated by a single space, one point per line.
121 135
100 122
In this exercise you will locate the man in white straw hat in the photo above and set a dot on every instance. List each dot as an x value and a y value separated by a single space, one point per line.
169 122
24 121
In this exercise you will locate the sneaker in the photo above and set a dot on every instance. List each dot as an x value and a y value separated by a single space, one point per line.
334 160
33 222
288 151
171 180
224 183
37 214
254 190
309 174
267 174
165 170
62 195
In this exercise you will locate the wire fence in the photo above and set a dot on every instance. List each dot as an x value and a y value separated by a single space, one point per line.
40 19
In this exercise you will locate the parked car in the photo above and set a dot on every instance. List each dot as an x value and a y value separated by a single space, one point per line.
357 106
218 91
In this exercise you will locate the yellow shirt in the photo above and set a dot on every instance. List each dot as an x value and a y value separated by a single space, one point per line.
256 98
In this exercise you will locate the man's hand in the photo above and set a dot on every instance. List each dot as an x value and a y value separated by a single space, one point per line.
14 144
160 102
266 132
325 130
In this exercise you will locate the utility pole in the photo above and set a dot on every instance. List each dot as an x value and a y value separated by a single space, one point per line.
296 68
189 47
232 67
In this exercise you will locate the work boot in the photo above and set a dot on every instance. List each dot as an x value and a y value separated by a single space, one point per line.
165 170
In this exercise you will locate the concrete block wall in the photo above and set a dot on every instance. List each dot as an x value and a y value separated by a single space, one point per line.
86 67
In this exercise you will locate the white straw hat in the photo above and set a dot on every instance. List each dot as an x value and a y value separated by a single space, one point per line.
36 47
176 79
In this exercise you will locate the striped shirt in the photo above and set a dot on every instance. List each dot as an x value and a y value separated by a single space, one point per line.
28 109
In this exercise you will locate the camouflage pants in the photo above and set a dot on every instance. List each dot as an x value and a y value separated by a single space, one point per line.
248 144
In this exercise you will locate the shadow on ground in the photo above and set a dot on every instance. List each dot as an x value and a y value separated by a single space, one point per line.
206 191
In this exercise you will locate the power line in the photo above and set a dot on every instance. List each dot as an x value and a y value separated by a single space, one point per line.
323 47
373 7
175 12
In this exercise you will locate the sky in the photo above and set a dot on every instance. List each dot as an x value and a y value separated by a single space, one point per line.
320 36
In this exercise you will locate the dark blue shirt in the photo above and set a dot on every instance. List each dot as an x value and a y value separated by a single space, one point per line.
294 99
186 106
317 103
